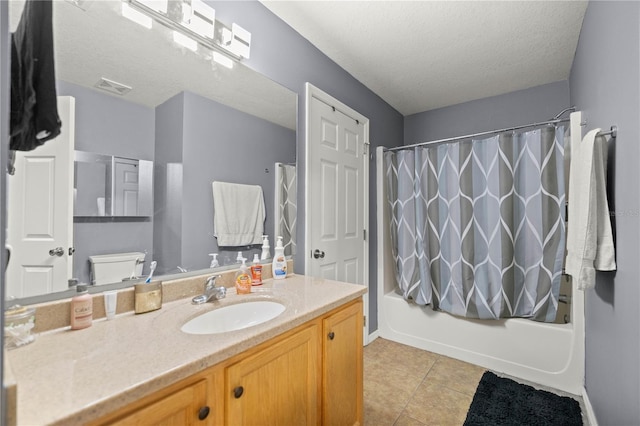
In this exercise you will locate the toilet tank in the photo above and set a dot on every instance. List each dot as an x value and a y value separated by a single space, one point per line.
111 268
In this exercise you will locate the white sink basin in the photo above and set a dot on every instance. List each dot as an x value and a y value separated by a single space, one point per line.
233 317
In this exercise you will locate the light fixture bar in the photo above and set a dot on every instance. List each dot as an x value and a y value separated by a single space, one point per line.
171 24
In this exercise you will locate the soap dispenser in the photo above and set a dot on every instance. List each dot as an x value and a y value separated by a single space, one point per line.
265 248
256 271
214 260
279 265
243 279
239 257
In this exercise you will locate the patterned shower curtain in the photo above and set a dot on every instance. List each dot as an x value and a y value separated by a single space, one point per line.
478 226
288 207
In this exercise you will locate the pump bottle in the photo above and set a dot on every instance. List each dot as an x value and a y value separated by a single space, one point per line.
265 248
279 265
243 279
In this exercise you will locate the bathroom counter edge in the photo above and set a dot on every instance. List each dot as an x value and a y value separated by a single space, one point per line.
71 377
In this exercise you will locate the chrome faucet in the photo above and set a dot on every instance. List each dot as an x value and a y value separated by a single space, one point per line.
211 292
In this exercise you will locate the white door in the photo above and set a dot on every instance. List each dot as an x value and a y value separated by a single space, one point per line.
125 176
40 213
337 191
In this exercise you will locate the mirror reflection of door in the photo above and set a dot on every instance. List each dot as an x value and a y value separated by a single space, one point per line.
125 187
40 228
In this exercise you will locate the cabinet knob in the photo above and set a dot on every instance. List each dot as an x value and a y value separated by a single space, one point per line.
331 335
203 413
238 391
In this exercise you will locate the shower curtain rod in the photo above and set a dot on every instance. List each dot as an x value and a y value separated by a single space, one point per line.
473 135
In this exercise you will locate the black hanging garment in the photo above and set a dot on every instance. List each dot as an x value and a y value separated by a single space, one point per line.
34 111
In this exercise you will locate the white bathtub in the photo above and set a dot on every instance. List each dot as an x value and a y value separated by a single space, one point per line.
548 354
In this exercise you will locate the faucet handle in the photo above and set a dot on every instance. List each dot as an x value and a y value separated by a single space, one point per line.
211 282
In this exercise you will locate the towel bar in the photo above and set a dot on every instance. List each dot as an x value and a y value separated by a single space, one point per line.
613 132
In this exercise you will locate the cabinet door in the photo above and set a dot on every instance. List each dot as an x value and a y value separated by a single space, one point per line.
182 407
342 393
278 385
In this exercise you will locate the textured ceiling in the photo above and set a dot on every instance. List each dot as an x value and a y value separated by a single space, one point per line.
422 55
98 42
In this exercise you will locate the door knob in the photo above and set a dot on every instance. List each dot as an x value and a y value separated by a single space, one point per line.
331 335
317 254
58 251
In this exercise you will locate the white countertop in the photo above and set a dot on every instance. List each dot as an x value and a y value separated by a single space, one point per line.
73 376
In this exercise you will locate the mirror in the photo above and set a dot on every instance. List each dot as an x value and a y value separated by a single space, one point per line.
107 185
137 95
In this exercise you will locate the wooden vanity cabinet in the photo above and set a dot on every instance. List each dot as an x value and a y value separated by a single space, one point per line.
310 375
279 385
342 372
185 403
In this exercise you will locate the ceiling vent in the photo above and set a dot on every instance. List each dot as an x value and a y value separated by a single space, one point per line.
113 86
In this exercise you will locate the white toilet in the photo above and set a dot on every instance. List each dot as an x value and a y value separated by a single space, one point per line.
112 268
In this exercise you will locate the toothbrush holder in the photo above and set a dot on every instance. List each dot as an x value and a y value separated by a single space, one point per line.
148 297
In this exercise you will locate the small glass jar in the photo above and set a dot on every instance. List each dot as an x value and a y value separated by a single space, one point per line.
18 322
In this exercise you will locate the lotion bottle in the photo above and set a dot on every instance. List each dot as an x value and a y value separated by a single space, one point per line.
243 279
81 308
214 260
279 265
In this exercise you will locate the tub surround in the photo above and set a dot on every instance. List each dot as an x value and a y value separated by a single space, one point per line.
67 377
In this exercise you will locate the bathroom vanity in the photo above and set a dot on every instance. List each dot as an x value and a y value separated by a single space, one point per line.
302 367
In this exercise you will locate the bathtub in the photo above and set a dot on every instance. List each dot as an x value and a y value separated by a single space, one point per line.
547 354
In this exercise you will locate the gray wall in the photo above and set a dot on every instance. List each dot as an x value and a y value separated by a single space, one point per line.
109 125
605 85
281 54
167 185
497 112
216 143
224 144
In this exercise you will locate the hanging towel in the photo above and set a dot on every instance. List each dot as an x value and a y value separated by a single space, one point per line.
589 237
34 111
239 214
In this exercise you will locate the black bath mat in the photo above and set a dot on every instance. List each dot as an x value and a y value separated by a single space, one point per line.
500 401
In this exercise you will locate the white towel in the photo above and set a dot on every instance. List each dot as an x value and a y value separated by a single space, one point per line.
589 236
239 214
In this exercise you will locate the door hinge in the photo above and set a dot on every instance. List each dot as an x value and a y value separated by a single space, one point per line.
364 320
364 234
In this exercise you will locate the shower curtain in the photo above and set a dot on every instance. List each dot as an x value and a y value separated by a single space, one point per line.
478 226
286 189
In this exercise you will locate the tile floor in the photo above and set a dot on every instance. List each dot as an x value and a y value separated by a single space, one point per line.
406 386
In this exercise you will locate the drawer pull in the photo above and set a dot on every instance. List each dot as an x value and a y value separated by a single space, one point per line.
203 413
238 391
331 335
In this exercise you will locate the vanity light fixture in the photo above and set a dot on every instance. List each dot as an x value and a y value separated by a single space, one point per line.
237 40
157 5
136 16
194 23
185 41
199 17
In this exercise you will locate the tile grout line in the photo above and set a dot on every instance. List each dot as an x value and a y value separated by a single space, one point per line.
413 393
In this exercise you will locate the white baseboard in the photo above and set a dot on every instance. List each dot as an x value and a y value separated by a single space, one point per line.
591 415
373 336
